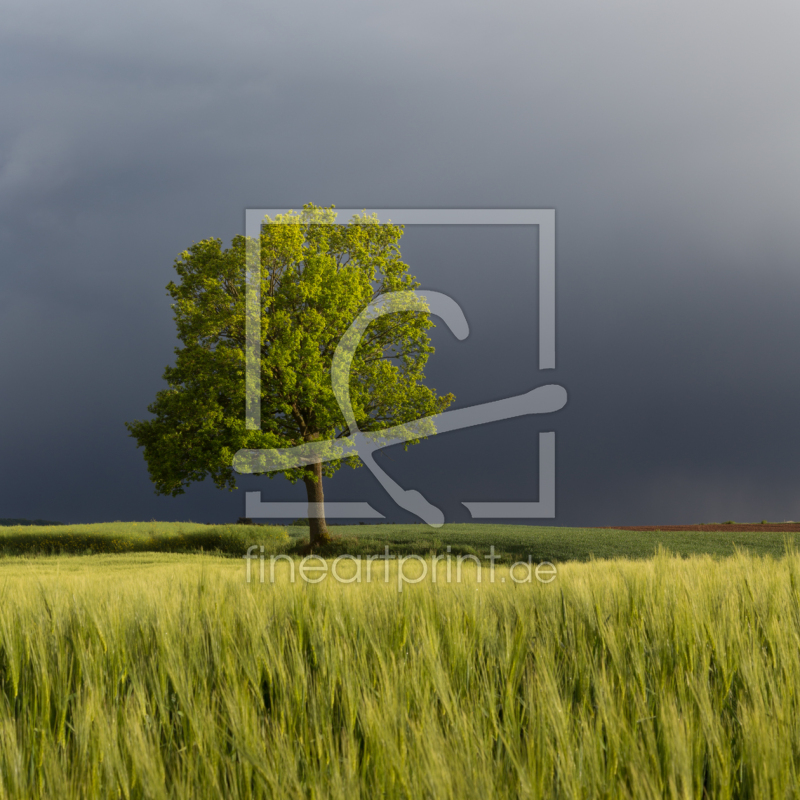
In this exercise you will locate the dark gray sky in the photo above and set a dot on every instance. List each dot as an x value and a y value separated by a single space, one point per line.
664 135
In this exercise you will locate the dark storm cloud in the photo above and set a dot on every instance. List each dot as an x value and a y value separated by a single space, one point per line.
665 136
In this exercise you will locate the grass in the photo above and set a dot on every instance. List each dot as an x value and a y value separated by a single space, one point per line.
514 542
150 675
137 537
511 542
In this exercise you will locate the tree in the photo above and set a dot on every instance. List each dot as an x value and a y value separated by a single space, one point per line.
316 277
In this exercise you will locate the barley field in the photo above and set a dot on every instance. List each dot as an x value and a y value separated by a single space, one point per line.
153 675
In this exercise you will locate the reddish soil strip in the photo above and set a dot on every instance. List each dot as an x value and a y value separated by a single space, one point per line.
772 527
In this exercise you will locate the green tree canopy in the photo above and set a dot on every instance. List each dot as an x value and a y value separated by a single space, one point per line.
316 277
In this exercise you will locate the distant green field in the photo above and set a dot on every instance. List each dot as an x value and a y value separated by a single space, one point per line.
156 675
510 542
137 537
513 542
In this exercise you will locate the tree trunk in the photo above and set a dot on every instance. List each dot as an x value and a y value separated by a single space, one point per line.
317 526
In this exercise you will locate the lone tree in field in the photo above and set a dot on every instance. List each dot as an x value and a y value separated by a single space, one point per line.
316 277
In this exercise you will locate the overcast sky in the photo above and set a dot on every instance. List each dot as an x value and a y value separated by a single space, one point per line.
665 135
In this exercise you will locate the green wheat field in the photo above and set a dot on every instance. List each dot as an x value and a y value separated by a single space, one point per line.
144 673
